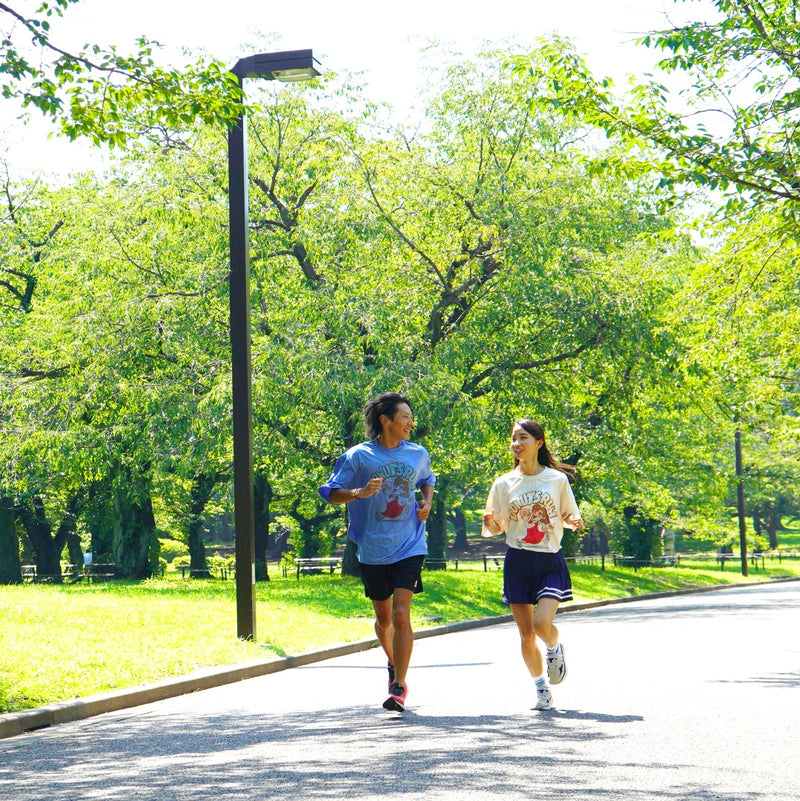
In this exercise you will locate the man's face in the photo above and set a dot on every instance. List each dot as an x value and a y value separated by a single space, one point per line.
400 426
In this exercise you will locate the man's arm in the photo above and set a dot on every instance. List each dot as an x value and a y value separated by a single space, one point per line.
372 487
425 504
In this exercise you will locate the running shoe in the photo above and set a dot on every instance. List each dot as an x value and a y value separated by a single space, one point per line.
556 666
544 698
396 702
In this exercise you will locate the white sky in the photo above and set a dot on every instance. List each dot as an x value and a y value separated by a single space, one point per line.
383 43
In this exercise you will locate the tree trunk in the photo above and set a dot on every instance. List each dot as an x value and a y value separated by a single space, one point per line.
99 518
262 493
350 566
46 550
437 523
69 533
135 547
773 524
10 568
456 517
202 487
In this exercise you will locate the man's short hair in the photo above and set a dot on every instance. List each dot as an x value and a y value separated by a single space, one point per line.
387 404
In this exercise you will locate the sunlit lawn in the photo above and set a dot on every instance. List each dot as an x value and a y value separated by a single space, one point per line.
67 641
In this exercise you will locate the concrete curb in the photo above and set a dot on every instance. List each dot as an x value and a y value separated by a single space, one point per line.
80 708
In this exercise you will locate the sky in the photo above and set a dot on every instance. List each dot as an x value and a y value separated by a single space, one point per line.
382 44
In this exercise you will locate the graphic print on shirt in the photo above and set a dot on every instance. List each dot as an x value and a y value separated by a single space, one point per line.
397 491
534 511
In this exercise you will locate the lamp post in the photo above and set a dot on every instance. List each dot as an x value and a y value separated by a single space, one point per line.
292 65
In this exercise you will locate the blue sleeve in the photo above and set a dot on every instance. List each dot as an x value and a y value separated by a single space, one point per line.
341 478
425 473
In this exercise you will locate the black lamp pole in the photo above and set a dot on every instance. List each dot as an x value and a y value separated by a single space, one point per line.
293 65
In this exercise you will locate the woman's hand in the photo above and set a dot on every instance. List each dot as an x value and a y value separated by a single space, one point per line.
490 525
575 521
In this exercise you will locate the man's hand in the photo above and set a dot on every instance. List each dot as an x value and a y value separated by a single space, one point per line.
372 487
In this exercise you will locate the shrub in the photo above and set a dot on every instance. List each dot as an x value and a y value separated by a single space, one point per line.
170 549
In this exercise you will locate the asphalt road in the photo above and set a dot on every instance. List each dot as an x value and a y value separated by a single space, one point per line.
687 697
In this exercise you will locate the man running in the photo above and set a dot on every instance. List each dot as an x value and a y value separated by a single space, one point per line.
379 479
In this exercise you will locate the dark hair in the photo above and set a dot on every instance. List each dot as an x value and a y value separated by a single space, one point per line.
545 457
387 404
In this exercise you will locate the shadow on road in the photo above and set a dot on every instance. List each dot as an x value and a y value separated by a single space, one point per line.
340 753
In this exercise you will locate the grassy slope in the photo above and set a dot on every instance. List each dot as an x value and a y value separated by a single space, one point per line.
62 642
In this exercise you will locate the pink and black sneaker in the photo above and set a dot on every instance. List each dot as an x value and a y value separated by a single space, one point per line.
396 702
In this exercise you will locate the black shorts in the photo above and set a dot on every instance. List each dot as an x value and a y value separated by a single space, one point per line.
380 581
529 576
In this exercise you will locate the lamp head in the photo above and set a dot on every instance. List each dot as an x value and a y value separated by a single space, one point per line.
287 65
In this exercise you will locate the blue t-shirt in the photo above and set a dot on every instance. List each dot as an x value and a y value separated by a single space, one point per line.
385 526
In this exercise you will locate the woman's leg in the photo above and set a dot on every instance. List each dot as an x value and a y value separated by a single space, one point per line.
524 618
543 621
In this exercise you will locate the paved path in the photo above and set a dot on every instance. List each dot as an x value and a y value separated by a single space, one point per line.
680 698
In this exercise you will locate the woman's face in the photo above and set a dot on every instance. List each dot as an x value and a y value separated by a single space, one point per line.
524 445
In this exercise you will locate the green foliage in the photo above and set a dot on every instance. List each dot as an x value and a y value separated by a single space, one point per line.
636 535
170 549
498 264
102 94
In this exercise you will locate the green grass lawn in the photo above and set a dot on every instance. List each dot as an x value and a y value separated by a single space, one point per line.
68 641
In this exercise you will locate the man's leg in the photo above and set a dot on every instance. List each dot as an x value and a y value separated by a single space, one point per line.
403 636
384 630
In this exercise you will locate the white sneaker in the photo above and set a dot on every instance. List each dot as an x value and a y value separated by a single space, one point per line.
544 698
556 666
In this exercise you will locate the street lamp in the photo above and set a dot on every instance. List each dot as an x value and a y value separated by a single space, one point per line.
291 65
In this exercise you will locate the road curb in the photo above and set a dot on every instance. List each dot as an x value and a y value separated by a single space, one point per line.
16 723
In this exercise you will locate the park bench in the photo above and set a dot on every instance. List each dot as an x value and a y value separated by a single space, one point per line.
71 573
316 565
497 563
223 572
100 571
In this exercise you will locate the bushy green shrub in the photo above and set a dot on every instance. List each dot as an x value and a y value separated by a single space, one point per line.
170 549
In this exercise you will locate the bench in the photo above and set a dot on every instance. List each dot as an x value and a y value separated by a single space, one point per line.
223 571
498 563
99 572
72 573
310 567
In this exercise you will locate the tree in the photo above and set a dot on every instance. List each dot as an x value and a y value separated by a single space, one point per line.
10 568
484 268
730 139
101 94
454 267
731 129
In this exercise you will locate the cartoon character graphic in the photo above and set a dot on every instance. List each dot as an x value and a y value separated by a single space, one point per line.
537 523
397 492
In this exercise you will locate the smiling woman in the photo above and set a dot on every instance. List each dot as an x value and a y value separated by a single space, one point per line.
531 505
